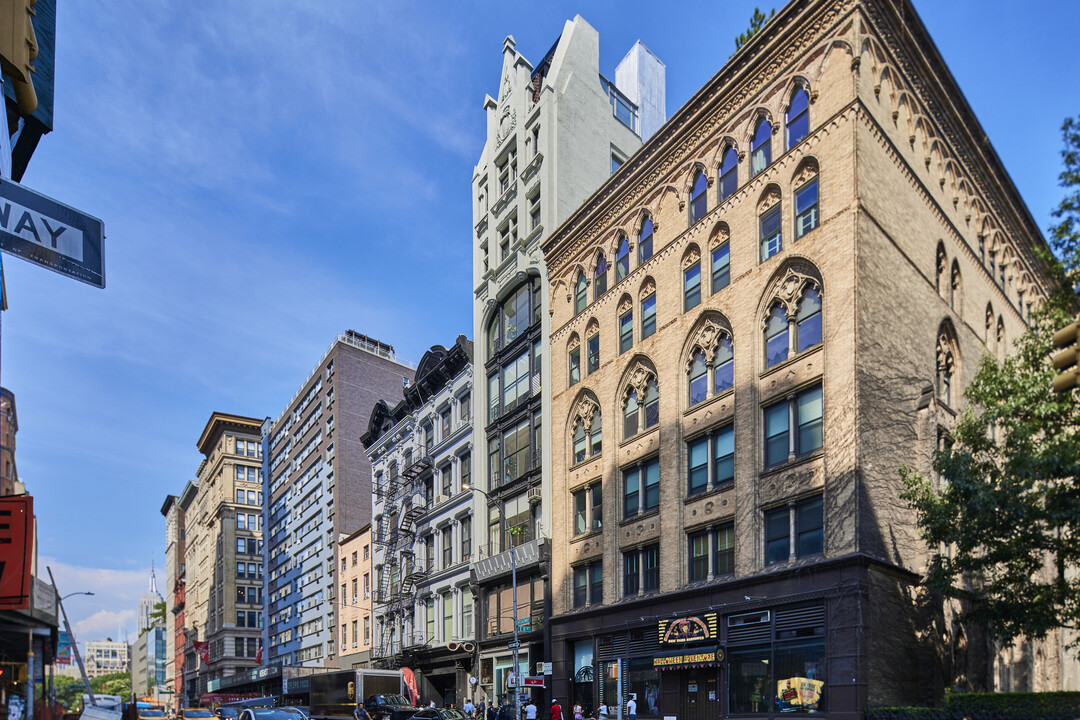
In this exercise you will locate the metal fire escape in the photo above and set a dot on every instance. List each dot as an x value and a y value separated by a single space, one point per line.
396 533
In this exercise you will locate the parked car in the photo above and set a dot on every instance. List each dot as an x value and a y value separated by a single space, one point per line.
272 713
440 714
196 713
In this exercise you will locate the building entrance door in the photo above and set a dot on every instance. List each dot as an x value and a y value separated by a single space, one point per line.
699 694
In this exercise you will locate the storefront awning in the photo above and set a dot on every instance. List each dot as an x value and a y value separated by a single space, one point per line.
689 658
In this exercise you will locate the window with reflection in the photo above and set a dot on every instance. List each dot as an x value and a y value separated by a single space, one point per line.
808 320
645 241
798 117
630 414
721 267
514 316
580 293
648 316
760 147
652 404
776 336
698 197
593 353
699 379
622 260
771 240
724 366
692 286
806 208
600 280
729 174
626 331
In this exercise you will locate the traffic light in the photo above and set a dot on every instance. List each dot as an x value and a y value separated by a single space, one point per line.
1067 342
18 49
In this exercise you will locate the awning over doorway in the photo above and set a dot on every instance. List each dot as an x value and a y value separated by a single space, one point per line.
689 658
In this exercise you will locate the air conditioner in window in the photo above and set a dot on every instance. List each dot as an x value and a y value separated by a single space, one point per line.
534 495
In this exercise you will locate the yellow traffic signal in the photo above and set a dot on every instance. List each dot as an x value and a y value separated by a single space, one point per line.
18 49
1066 358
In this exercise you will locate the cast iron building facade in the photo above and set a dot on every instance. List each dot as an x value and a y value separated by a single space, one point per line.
423 532
809 260
555 132
318 487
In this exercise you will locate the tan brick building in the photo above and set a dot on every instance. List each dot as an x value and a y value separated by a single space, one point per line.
354 554
223 537
767 310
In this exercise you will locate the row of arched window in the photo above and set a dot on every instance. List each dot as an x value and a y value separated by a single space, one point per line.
806 200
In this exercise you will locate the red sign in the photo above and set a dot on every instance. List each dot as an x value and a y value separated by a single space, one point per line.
16 544
202 649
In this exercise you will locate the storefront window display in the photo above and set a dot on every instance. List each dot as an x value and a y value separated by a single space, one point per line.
750 682
642 682
787 676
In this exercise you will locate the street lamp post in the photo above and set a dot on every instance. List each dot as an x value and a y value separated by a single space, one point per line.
71 636
513 581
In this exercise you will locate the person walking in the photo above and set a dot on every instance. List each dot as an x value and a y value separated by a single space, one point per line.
602 712
631 708
469 708
530 710
360 713
556 709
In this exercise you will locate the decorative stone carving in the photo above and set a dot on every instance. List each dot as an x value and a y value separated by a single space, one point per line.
625 304
507 123
721 234
806 171
791 289
692 256
707 338
639 378
585 410
574 344
647 289
771 198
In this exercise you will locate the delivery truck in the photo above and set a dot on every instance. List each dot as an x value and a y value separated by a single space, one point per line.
335 695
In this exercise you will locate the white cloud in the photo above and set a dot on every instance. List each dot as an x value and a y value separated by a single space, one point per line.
113 605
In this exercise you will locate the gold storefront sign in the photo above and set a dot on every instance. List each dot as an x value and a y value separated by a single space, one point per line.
694 628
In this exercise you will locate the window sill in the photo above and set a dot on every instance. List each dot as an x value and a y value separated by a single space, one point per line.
640 436
809 352
799 460
639 517
591 534
729 392
582 464
718 490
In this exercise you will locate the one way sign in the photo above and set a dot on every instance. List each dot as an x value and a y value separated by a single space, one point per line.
51 234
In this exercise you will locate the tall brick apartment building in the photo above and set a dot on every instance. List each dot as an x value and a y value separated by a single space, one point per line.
767 310
317 480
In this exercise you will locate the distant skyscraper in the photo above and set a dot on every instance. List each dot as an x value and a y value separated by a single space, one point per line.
147 603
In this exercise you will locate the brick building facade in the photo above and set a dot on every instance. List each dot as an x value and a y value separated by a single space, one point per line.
766 311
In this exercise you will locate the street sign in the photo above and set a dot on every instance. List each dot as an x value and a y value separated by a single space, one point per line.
513 644
531 681
51 234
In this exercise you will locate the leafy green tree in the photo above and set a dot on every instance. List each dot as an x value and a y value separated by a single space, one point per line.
1006 518
113 684
757 21
68 691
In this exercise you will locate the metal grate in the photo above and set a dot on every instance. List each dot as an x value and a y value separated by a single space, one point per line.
611 647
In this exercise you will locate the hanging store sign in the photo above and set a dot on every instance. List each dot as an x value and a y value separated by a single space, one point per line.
684 659
695 628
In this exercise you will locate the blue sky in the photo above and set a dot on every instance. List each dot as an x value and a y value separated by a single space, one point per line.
271 173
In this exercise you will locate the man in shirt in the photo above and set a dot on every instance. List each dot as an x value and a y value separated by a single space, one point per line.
530 710
556 710
631 708
469 708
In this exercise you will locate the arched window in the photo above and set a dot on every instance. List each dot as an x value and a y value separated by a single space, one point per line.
579 441
622 260
596 435
808 320
776 337
698 197
941 268
1000 338
729 174
798 118
652 404
699 379
630 415
761 147
956 299
769 226
514 316
581 296
600 279
723 366
645 241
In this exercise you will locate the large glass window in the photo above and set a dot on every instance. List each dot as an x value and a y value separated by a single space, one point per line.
698 197
514 316
596 436
798 118
516 451
721 267
692 286
809 528
697 457
648 316
581 297
724 456
579 441
750 684
588 584
761 147
516 382
645 241
729 174
776 434
631 572
771 242
622 260
724 550
806 208
809 417
698 545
